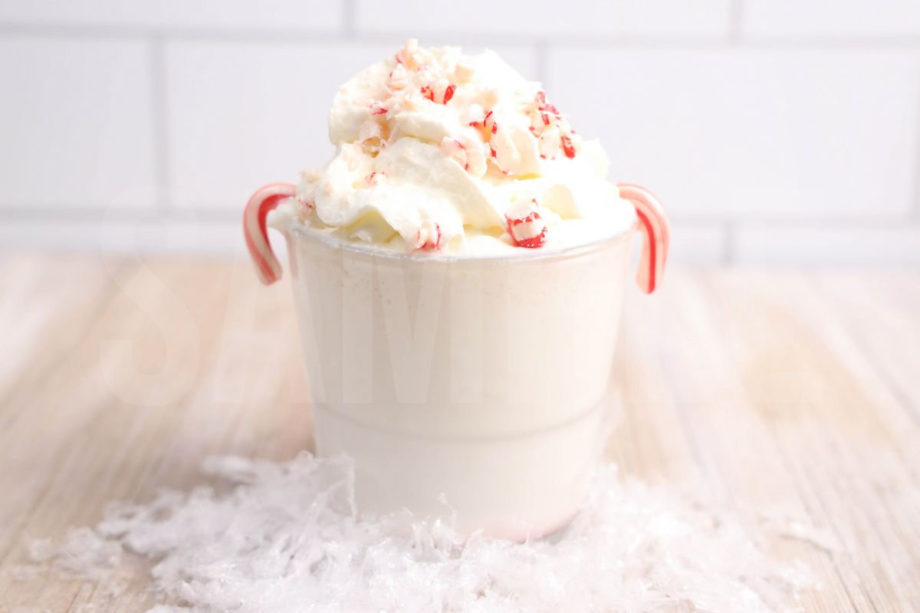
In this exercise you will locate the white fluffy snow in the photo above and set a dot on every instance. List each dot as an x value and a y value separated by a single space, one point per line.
284 537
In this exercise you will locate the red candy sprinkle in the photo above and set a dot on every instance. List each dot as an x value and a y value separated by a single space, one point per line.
567 147
487 123
543 105
428 92
378 109
449 93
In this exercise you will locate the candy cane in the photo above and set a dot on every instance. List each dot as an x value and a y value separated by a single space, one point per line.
657 235
264 200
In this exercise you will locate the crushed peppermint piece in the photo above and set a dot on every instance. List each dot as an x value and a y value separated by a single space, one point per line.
448 93
428 237
567 147
527 229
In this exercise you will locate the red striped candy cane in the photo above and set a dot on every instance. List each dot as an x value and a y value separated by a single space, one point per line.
657 235
264 200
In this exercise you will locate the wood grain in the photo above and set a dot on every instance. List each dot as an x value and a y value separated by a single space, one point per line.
772 390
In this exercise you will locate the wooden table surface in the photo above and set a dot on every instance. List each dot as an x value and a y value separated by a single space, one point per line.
796 389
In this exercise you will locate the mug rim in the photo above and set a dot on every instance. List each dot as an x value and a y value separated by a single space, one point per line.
523 255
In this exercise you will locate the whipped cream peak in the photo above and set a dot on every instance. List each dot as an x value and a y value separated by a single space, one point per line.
436 148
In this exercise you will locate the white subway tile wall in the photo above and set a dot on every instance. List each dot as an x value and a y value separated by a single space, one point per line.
75 119
775 132
131 236
271 15
753 134
545 18
865 18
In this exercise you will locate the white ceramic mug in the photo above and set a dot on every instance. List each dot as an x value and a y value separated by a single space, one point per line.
467 388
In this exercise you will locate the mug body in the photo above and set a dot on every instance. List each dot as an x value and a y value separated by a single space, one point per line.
473 389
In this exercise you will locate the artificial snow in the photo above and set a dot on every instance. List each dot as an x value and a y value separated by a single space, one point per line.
285 537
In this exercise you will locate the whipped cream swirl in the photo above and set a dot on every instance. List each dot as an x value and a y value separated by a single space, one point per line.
442 151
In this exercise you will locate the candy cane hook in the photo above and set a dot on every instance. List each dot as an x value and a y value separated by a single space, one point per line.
264 200
656 235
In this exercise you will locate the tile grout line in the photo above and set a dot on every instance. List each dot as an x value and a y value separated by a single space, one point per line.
735 21
159 124
120 215
349 19
348 32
